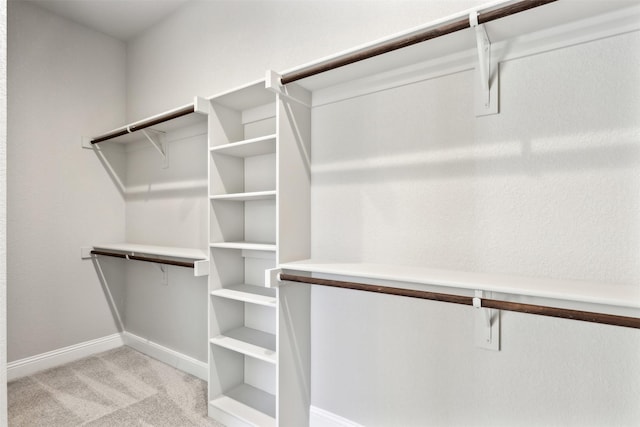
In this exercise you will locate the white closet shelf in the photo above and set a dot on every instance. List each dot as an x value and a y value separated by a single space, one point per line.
164 122
252 294
183 257
248 148
245 245
168 251
608 294
249 404
250 342
245 97
246 197
562 18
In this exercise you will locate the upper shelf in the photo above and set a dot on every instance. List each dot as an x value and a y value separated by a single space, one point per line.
246 97
164 122
448 37
610 294
166 251
183 257
248 148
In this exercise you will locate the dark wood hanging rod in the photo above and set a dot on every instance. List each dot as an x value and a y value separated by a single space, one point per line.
586 316
145 124
422 36
144 258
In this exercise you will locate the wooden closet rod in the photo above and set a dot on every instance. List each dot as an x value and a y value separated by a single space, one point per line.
145 124
427 34
586 316
144 258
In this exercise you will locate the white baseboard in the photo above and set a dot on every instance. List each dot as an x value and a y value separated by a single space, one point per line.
171 357
321 418
51 359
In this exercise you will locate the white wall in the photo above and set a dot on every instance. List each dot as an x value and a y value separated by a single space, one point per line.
550 187
3 212
65 81
552 194
168 207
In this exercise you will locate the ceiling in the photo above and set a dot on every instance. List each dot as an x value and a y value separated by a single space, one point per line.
122 19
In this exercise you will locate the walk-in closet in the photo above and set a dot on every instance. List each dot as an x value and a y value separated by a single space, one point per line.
323 213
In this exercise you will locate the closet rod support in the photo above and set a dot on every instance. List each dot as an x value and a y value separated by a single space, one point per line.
483 45
160 145
400 42
486 95
541 310
174 114
487 324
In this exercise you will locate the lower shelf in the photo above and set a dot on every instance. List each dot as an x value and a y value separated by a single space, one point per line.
250 342
248 293
248 404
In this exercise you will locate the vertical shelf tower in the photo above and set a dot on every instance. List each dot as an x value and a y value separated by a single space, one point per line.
257 211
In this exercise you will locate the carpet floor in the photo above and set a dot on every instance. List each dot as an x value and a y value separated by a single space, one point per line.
120 387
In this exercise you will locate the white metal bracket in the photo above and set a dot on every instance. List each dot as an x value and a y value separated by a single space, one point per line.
486 93
273 83
165 274
159 144
487 325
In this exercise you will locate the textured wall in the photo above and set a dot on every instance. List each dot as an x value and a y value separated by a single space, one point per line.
550 187
65 81
168 207
3 212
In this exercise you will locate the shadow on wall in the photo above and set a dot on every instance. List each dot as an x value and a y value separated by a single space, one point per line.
138 171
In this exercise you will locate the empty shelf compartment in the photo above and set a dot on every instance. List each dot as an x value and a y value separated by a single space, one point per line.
250 342
249 404
248 293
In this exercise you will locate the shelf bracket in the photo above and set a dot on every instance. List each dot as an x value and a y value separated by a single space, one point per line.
165 274
159 144
273 83
487 324
486 92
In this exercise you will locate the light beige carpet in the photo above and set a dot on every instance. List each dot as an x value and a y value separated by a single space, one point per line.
120 387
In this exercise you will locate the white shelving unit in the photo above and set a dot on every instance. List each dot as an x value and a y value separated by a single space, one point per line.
252 218
242 315
154 130
156 165
536 31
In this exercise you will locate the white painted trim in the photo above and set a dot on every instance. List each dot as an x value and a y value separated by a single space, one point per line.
321 418
51 359
170 357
